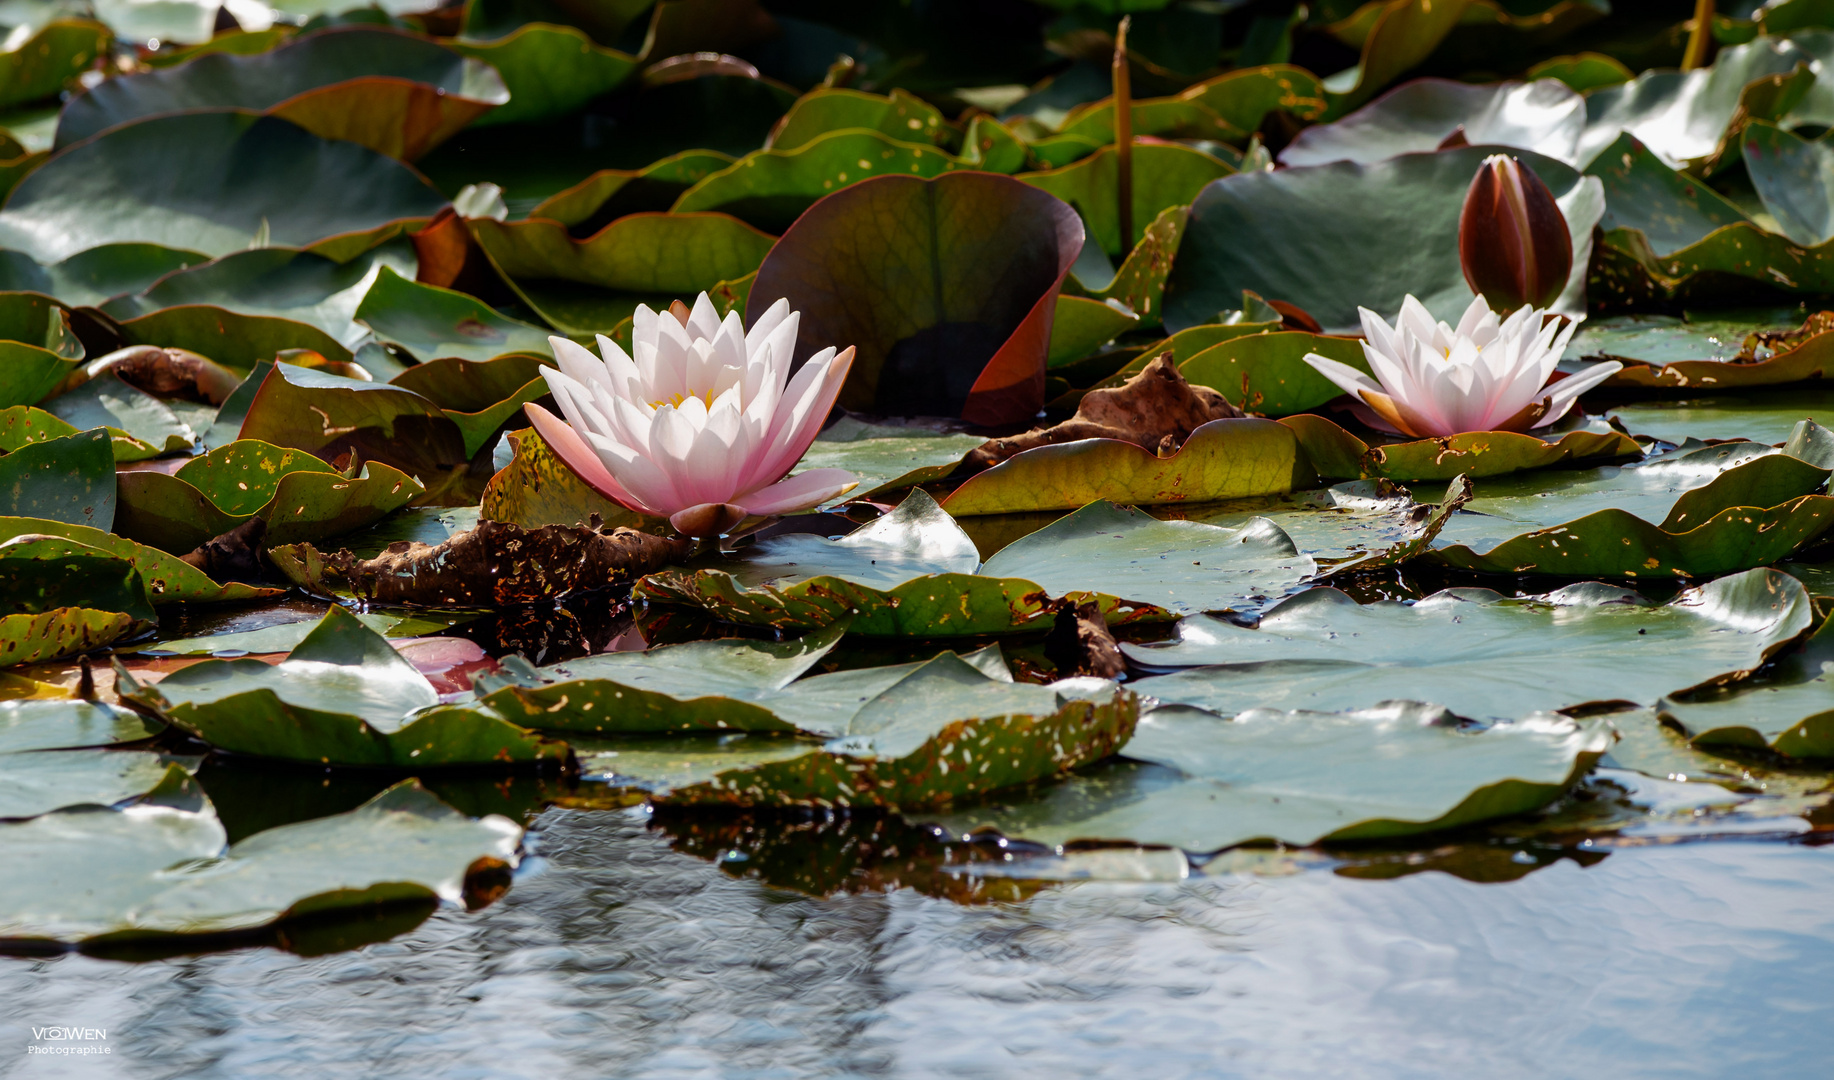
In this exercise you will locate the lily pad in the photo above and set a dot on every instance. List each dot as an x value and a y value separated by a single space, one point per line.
885 457
1165 175
1695 512
398 94
1196 781
609 194
22 425
1266 373
62 598
1768 416
1476 652
49 59
537 489
1081 325
1226 108
301 498
70 479
898 115
93 276
211 182
329 415
1223 459
1393 37
548 70
1543 116
1386 230
344 696
770 189
69 725
945 288
1671 209
108 403
403 845
588 286
1795 178
432 323
168 580
1337 454
40 781
1788 710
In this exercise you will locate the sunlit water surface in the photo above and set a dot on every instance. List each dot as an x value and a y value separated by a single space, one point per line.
617 956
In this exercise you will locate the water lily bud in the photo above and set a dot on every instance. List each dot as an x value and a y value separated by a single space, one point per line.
1512 238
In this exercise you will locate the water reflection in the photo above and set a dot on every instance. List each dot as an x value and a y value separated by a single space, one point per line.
618 954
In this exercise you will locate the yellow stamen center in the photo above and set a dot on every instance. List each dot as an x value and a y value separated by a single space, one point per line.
676 400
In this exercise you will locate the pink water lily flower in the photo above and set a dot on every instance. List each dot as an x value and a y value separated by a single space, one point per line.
1433 380
701 422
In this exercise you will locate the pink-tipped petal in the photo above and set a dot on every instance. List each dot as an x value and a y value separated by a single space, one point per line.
800 492
578 456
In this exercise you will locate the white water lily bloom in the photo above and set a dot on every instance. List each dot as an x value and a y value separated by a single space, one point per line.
701 422
1486 375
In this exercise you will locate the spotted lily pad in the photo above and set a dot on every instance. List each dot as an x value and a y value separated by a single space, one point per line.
1336 453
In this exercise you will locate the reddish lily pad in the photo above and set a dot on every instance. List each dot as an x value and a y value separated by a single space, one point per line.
946 287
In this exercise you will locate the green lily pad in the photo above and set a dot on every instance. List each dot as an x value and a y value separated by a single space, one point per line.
770 189
1671 209
301 498
702 686
537 489
1140 282
40 781
1630 272
403 845
433 323
1224 108
69 725
1808 360
1393 37
1696 512
885 457
63 597
1788 710
1270 232
1417 116
1266 373
1476 652
1657 340
285 637
588 286
945 288
49 60
22 425
328 415
1082 325
1795 178
899 115
107 403
344 696
235 340
1165 175
1223 459
93 276
548 70
395 93
71 479
211 182
609 194
1196 781
168 581
1767 416
915 573
282 283
1337 454
1583 71
942 733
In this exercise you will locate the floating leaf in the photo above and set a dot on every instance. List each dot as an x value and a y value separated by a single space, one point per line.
433 323
1223 459
1415 117
1196 781
537 489
1399 35
107 402
1795 178
886 458
168 581
1337 454
1788 710
1270 232
344 696
402 845
899 116
40 781
50 59
62 597
587 286
945 287
1767 416
328 415
1227 107
1477 652
67 725
71 479
1165 175
93 276
609 194
37 347
1266 373
210 182
548 70
1671 209
396 93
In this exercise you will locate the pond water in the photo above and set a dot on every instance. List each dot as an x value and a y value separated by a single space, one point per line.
618 953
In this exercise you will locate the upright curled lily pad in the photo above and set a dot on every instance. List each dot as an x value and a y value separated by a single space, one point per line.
549 71
1394 36
898 115
1223 459
1475 651
1544 116
402 845
1795 178
433 323
1271 232
328 415
168 580
62 597
396 93
69 479
301 498
37 347
1725 508
587 286
343 696
1337 454
1193 780
1165 175
1671 209
770 189
1266 373
946 288
212 182
536 488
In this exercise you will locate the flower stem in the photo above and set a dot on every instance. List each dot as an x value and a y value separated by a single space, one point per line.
1124 135
1699 37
